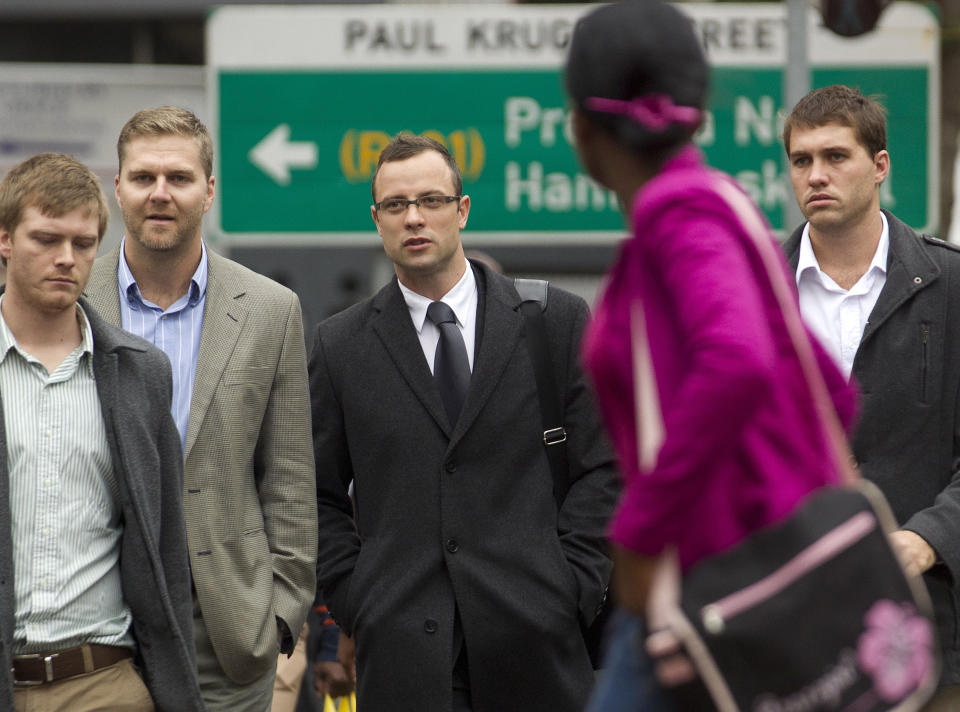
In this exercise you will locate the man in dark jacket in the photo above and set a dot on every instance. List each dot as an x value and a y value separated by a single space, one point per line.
886 303
461 580
94 586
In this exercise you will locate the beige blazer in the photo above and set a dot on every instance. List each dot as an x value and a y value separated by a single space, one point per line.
249 498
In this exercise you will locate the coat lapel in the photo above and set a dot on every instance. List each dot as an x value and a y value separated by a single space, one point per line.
223 319
499 325
102 289
106 375
395 330
909 271
498 333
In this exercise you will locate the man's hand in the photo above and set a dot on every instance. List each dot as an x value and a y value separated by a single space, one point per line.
915 554
330 678
346 656
632 576
671 664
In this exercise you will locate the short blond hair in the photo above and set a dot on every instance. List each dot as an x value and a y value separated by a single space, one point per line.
167 121
55 184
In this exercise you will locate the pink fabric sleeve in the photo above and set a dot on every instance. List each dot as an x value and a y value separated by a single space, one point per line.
718 305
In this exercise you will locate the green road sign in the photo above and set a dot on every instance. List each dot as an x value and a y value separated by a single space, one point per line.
299 129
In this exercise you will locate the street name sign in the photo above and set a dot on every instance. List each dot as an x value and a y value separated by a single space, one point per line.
303 98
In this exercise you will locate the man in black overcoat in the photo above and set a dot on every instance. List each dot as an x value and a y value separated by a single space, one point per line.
461 581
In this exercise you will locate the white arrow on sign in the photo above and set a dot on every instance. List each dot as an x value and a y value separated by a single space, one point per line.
276 154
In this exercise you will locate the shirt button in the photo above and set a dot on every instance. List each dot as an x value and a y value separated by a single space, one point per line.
430 626
452 546
47 433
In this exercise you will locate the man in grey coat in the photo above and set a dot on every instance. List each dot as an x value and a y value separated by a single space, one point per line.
462 582
94 584
886 303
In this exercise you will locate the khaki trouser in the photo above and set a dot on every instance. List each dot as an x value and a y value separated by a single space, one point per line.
115 688
286 688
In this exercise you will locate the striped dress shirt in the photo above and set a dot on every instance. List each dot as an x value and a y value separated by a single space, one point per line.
63 502
174 330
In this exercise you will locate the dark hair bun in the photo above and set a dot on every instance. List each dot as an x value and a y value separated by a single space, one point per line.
632 49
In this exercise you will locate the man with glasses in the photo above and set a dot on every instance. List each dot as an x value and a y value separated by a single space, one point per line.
461 581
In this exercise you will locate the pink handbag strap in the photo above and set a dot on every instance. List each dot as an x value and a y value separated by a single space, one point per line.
785 295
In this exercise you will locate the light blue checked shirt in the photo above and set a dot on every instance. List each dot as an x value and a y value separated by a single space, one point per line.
63 502
175 331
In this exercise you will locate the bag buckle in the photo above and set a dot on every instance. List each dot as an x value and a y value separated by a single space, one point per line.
554 436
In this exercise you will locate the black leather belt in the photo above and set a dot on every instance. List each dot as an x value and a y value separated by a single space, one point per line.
40 668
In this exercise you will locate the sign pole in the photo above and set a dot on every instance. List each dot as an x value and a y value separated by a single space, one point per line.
796 85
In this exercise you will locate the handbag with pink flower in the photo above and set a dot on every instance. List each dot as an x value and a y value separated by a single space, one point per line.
814 612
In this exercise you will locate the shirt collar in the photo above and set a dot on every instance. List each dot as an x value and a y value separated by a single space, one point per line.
8 341
458 298
85 330
807 260
129 287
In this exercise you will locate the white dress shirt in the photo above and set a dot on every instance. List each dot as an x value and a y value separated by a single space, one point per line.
835 315
462 298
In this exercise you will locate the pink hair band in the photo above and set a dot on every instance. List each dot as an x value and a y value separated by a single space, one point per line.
654 111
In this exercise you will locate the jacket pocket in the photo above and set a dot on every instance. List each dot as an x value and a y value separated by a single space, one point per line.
924 362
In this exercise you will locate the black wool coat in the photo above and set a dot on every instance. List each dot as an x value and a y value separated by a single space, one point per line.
458 518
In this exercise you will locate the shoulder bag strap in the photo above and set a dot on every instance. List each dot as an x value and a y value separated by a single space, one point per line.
533 293
754 227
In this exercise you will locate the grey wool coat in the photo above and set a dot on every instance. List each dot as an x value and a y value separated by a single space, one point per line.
458 519
907 439
134 385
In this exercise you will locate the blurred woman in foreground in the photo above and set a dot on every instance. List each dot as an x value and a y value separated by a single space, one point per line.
699 383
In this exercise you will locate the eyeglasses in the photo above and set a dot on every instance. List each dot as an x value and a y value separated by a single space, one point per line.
398 206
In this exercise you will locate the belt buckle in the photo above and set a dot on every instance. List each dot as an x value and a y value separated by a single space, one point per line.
47 669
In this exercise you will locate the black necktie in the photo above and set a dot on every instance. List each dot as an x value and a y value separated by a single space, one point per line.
450 365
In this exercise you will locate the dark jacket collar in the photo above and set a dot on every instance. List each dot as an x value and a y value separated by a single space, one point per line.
498 332
910 269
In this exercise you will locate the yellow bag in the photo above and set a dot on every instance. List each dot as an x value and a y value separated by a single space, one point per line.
347 703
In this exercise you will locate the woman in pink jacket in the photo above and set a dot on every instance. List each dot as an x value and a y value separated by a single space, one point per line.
741 443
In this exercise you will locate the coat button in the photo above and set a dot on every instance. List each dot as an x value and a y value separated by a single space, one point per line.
451 466
430 626
452 546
